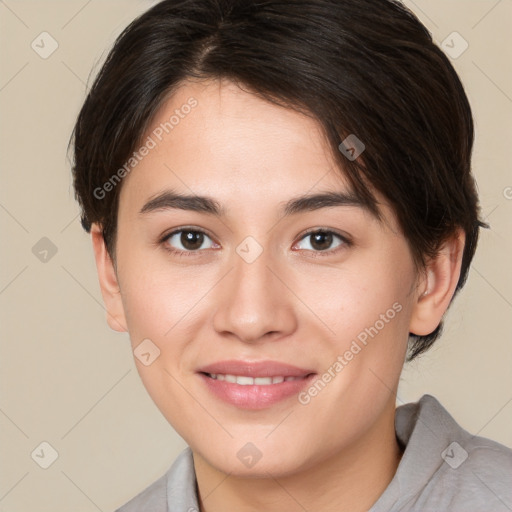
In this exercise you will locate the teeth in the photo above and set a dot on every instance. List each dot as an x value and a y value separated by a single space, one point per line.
242 380
250 381
262 381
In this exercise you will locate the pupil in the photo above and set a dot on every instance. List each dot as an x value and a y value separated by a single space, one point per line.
322 240
191 239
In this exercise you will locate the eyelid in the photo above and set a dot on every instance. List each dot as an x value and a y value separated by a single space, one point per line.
168 234
345 237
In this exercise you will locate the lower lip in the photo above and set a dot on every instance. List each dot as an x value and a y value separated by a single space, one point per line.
255 396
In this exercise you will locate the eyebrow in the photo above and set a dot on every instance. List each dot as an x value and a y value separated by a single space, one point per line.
170 199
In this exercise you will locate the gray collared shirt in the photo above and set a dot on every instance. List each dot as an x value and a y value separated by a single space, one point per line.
443 468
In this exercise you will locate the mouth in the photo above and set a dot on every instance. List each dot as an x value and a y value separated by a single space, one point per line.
244 380
254 385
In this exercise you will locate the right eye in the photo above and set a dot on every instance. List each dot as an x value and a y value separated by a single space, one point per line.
188 241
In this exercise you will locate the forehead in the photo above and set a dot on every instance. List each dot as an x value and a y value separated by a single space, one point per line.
238 132
212 138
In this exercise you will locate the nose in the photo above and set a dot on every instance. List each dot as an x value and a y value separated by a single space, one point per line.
254 302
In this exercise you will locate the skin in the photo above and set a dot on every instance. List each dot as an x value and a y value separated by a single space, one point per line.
292 304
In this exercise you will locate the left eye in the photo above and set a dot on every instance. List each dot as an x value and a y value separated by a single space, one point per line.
321 240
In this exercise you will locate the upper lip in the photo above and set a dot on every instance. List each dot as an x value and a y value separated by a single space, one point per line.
255 369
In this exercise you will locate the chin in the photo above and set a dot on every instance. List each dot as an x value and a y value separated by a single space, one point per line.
254 460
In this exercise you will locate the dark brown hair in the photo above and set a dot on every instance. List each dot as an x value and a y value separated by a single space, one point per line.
363 67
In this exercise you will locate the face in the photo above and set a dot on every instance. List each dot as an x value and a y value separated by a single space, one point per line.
285 328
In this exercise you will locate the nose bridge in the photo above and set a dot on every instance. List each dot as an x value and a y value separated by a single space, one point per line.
255 302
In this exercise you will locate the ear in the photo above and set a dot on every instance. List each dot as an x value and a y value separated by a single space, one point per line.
436 289
108 281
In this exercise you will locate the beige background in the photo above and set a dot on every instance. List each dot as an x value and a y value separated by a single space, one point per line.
68 380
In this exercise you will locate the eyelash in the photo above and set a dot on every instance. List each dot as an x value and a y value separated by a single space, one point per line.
177 252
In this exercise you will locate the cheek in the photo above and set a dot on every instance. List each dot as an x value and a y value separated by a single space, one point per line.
158 298
349 300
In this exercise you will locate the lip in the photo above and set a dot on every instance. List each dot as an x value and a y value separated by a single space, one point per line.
255 396
255 369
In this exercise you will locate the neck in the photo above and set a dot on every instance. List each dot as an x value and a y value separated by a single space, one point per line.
350 480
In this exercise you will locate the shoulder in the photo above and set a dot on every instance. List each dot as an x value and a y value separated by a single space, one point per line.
461 448
177 487
151 499
475 474
488 454
447 468
482 468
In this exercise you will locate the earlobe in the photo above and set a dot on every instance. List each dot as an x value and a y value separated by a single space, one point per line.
436 289
108 282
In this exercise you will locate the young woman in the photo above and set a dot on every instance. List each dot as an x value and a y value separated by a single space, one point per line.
282 210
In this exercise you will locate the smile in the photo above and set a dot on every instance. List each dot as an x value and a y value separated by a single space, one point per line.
254 385
244 380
